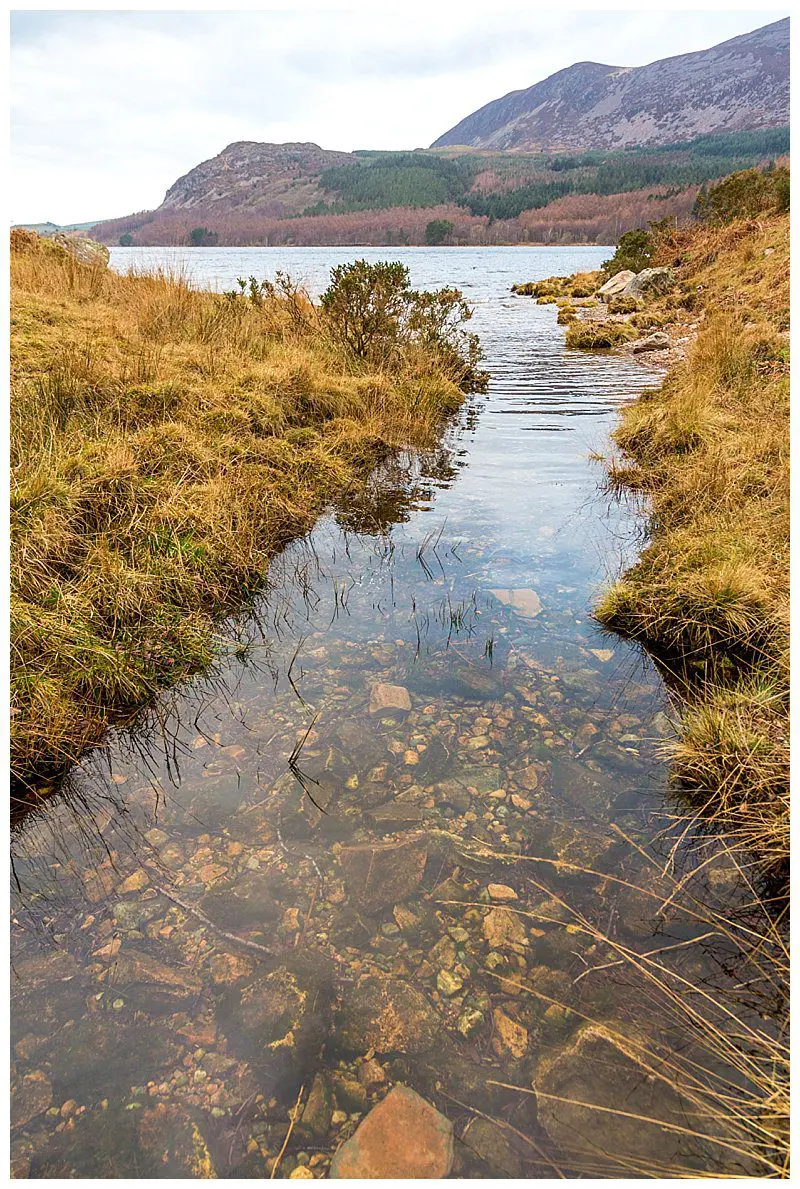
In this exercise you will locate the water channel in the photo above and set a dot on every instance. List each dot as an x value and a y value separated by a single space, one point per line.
359 852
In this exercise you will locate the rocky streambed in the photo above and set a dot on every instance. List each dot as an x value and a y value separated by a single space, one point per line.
362 900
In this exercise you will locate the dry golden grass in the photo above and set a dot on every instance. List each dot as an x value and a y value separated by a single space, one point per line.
165 442
711 592
703 1011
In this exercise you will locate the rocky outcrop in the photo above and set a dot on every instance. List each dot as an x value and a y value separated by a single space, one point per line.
741 83
403 1137
87 251
650 282
616 284
272 179
658 341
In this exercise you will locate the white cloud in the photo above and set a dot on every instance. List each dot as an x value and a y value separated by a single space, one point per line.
109 108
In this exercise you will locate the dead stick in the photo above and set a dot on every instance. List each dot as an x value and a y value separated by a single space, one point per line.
292 1121
302 936
201 916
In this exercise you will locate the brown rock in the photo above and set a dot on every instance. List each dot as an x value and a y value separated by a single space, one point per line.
383 874
316 1118
403 1137
371 1074
525 602
602 1070
134 883
501 891
389 1016
510 1037
529 777
496 1145
134 969
504 929
388 699
30 1098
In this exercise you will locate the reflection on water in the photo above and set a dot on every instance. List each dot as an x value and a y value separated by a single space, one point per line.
343 859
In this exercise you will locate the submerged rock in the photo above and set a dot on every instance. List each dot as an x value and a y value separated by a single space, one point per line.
403 1137
389 1016
382 874
388 699
503 929
599 1069
525 602
30 1097
316 1118
510 1037
279 1023
495 1145
139 973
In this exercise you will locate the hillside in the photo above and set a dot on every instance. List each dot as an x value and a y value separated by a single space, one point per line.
300 194
272 179
742 83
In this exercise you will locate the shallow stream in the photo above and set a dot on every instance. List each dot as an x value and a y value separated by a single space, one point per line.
360 850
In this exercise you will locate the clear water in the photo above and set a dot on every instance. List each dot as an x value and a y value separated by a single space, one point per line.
194 941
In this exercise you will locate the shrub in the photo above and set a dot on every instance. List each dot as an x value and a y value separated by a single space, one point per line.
744 195
438 231
126 240
375 312
201 237
635 251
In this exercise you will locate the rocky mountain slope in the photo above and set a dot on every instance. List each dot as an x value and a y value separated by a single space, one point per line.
741 83
270 179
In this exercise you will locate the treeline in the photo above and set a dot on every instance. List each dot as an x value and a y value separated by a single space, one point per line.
570 219
476 183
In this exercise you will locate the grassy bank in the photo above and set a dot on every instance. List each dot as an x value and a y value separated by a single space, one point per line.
710 593
165 442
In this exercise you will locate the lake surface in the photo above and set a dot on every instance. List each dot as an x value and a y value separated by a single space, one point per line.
359 852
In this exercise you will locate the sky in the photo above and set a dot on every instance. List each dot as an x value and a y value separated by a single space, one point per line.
110 108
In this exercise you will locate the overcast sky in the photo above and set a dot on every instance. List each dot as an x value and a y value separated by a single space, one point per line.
109 108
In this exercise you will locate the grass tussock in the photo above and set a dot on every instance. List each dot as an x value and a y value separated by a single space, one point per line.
597 336
710 593
165 442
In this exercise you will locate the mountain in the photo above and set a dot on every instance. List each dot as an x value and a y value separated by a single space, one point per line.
250 176
741 84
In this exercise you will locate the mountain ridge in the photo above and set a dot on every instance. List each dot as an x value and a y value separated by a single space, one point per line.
738 84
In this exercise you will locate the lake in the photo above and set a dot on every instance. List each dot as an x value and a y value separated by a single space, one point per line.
401 833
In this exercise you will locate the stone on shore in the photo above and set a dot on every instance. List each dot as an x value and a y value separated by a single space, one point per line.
403 1137
650 282
658 341
85 251
616 284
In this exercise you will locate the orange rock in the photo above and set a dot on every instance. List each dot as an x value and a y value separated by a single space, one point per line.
388 698
404 1136
510 1037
